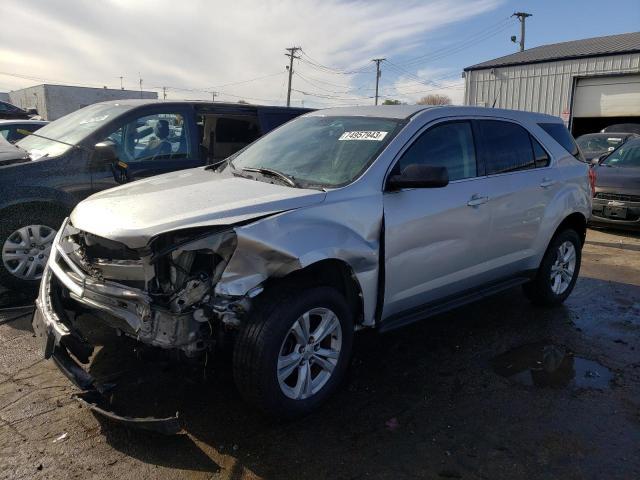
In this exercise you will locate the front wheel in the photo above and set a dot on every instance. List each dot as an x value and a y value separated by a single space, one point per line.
294 351
558 270
26 237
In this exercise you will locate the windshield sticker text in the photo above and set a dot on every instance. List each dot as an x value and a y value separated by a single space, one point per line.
363 135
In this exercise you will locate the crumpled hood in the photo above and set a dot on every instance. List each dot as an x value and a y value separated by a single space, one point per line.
622 178
134 213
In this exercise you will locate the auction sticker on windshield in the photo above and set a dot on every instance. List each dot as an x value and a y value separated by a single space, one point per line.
364 135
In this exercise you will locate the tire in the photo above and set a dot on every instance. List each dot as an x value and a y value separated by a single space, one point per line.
268 338
10 225
543 289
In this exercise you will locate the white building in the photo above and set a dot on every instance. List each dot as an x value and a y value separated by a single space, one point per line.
55 101
590 83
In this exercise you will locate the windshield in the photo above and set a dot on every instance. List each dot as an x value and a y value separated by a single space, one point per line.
599 143
626 156
319 151
71 128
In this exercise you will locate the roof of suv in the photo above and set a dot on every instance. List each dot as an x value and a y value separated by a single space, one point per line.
407 111
138 102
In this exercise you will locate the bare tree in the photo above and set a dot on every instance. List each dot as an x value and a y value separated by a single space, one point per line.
390 101
435 99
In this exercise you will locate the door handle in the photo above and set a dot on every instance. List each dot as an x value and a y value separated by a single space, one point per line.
477 199
547 182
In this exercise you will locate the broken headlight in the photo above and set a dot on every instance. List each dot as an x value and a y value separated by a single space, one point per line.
188 264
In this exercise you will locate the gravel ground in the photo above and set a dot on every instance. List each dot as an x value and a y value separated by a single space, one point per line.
497 389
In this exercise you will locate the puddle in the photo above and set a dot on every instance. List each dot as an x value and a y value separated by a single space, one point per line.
548 365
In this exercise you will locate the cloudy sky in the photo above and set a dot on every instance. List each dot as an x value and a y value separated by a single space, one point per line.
236 48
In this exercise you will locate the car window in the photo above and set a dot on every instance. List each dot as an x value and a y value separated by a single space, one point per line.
598 142
506 147
71 129
236 130
272 120
152 137
447 145
561 135
4 131
625 156
541 156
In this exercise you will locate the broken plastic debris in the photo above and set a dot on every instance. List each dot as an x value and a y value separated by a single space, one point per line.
61 438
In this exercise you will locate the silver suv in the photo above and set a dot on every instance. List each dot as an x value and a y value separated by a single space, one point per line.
340 220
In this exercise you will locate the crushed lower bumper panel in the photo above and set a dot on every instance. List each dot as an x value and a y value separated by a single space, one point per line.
94 395
95 401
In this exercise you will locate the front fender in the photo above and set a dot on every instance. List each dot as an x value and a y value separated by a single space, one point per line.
274 247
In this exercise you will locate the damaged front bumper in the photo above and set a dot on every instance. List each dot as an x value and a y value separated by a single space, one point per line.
69 287
59 345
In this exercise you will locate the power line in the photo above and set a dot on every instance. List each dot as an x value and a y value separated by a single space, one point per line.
248 81
310 61
408 73
331 97
477 37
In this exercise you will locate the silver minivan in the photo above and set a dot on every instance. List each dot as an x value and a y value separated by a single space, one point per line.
340 220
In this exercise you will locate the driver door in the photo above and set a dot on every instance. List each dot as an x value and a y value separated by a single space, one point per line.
148 144
435 238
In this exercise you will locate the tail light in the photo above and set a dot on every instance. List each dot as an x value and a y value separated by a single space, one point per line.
592 180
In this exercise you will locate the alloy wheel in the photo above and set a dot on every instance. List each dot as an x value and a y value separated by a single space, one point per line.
563 268
309 353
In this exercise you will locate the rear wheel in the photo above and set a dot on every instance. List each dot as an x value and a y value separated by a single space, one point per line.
558 271
294 351
26 237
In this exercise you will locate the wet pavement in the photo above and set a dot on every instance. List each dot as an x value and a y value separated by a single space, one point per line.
497 389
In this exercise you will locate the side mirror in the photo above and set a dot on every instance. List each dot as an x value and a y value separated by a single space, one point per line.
105 153
420 176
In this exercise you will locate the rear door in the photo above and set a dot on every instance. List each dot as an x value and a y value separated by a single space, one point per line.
435 238
151 142
522 184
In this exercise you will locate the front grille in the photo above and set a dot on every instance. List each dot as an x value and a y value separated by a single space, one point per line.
618 196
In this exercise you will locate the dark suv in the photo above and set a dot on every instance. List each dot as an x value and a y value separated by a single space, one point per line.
105 145
11 112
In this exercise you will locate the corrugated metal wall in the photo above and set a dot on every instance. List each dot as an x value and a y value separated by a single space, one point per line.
541 87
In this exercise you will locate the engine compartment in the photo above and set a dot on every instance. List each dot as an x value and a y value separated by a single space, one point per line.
161 295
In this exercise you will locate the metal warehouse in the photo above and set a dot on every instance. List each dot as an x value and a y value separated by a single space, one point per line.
590 83
55 101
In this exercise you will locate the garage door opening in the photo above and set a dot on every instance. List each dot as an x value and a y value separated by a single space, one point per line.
605 100
580 126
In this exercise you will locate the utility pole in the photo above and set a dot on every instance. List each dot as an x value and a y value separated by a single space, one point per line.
522 16
213 96
292 54
378 73
140 77
121 84
164 93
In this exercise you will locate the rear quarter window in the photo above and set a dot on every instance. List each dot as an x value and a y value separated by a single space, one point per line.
561 135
